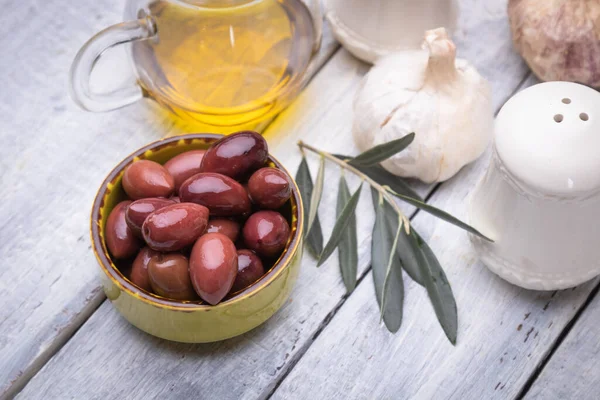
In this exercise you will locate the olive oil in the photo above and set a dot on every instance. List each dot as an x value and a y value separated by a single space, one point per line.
225 63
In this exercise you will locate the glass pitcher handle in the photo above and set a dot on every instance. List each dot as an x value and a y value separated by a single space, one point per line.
88 55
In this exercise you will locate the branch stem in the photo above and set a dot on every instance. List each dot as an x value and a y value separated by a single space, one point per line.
345 165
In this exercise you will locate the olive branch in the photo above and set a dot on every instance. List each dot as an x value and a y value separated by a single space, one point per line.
395 245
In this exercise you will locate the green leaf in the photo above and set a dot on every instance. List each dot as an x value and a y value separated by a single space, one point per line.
382 152
404 246
340 226
348 246
314 238
441 214
384 178
381 248
315 199
388 271
438 288
375 198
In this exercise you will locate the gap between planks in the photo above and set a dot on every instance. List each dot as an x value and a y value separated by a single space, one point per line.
557 343
60 340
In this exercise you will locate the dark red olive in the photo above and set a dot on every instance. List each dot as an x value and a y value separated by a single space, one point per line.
213 266
145 178
222 195
236 154
227 227
266 232
139 269
138 211
250 269
173 227
120 240
170 277
184 165
269 188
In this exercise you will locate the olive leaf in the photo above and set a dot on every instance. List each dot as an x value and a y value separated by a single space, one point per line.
340 226
419 262
440 214
314 238
438 287
348 246
384 178
387 271
404 246
403 249
315 198
382 152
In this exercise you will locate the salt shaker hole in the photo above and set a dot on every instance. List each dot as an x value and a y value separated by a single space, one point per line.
558 117
584 116
566 100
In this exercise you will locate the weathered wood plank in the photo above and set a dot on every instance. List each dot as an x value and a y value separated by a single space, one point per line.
48 284
573 372
504 332
53 160
149 367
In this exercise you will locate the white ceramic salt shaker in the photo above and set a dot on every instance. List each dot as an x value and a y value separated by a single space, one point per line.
540 198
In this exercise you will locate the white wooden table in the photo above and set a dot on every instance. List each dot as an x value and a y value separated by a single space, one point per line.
61 339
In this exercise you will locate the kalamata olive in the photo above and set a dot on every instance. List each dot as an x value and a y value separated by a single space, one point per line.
222 195
269 188
176 199
184 165
173 227
138 211
120 240
170 277
266 232
139 269
227 227
145 178
250 269
236 155
213 266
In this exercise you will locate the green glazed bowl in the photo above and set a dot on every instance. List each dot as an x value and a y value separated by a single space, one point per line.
193 321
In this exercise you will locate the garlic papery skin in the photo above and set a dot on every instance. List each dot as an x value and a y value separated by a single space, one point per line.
559 39
370 29
443 100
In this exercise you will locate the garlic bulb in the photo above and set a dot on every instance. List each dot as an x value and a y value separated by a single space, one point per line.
443 100
559 39
370 29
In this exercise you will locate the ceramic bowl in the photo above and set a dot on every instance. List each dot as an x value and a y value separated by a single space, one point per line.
540 198
371 29
193 321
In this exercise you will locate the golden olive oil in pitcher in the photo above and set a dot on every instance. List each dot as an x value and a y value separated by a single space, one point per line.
225 63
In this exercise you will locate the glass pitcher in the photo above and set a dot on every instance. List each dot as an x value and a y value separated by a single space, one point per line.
218 62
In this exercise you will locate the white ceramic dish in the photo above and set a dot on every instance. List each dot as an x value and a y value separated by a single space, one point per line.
370 29
540 198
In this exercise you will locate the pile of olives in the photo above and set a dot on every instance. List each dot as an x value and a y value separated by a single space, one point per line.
204 224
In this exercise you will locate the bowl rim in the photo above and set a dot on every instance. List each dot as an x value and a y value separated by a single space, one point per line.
118 279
